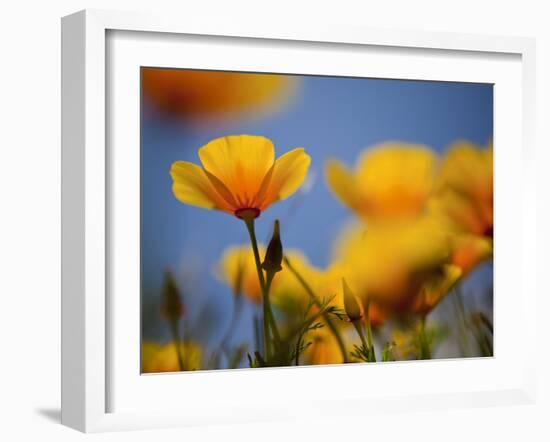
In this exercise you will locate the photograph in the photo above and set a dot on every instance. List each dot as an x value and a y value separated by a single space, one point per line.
303 220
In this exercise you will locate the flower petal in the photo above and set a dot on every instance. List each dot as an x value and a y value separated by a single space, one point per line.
395 179
287 175
192 186
240 162
342 183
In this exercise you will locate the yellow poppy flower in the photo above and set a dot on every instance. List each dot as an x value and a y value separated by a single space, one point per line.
195 93
465 188
239 175
389 264
157 358
391 180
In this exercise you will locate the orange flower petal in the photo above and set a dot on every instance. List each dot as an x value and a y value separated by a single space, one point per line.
342 183
288 174
240 162
192 186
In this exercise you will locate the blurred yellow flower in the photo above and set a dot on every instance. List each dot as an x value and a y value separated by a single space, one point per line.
195 93
391 180
157 358
465 188
288 293
390 264
323 349
239 175
464 199
237 269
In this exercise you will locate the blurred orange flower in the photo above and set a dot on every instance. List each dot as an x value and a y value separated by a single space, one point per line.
195 93
239 175
391 180
323 349
470 250
465 188
397 266
157 358
464 199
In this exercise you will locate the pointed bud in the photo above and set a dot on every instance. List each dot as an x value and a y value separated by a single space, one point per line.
274 253
171 306
351 305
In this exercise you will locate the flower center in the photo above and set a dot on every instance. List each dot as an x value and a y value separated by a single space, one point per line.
247 213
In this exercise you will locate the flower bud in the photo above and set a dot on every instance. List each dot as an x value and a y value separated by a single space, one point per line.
351 305
171 307
274 254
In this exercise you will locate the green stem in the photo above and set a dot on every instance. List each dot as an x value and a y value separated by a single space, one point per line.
359 329
326 317
267 313
372 354
274 330
298 344
462 323
425 352
176 338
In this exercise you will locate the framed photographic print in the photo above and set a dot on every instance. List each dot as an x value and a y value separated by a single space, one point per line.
270 222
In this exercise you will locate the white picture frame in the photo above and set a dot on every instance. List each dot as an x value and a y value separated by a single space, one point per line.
87 206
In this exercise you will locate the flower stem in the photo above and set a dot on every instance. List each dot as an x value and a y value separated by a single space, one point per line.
267 313
326 317
425 351
269 279
359 329
176 338
372 354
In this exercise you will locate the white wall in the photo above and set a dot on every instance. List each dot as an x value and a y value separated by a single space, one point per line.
30 220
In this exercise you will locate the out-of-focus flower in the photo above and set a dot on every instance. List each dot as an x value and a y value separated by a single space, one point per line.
465 188
390 180
239 175
464 199
288 293
237 269
324 348
157 358
389 265
470 250
194 93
